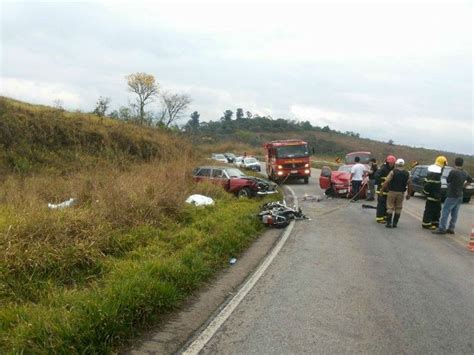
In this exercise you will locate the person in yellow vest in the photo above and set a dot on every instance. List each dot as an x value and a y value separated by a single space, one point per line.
432 191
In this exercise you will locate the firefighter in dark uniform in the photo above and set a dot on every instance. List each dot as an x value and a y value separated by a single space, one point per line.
432 191
380 177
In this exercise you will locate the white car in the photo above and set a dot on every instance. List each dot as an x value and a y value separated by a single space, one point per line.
238 160
219 157
251 164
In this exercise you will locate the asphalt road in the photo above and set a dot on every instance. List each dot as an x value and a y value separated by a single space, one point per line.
344 284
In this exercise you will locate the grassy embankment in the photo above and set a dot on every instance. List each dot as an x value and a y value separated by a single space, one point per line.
84 279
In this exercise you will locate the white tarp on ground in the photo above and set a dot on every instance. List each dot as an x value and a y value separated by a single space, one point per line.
200 200
67 203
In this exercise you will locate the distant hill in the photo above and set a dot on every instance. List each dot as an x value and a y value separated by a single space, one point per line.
41 138
34 138
324 142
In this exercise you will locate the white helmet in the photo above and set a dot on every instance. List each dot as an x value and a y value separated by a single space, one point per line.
400 162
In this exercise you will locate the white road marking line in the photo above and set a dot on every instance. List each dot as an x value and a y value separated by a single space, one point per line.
198 344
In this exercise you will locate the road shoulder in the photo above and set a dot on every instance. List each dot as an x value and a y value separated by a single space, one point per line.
177 328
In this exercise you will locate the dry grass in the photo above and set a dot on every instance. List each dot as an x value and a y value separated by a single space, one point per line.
82 279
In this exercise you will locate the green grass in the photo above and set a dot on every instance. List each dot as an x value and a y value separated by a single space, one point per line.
156 270
86 279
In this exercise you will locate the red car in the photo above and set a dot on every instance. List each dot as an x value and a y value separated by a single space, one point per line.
337 183
235 181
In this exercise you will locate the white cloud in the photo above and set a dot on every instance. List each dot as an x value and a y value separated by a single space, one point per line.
354 66
427 132
40 92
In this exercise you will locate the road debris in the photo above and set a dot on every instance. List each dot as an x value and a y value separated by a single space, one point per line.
369 206
313 198
200 200
68 203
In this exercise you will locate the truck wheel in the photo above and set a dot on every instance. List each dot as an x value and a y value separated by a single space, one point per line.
306 179
466 199
244 193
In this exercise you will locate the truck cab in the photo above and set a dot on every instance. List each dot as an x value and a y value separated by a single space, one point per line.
287 159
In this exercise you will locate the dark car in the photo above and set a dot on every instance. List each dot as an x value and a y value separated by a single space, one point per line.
230 157
250 163
235 181
418 176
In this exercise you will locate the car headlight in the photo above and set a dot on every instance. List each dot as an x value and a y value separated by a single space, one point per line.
306 165
280 167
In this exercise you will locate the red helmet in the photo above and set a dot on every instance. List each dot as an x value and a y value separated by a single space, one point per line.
391 159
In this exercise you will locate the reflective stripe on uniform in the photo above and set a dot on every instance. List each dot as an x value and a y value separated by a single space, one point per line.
433 199
433 181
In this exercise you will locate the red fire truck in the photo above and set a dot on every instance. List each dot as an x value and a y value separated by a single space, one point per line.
287 158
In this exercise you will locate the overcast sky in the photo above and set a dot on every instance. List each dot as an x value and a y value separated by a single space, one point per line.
387 71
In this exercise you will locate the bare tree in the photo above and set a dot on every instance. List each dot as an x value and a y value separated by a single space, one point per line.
173 107
58 104
101 106
146 88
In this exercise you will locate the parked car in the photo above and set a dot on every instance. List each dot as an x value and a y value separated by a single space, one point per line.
418 176
238 160
235 181
338 183
363 156
230 157
251 164
219 157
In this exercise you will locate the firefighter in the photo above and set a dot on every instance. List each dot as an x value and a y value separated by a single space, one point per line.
432 191
396 183
380 177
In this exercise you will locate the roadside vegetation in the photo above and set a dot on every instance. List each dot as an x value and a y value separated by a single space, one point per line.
84 279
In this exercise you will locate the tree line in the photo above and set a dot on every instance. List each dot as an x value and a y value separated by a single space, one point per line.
254 123
146 90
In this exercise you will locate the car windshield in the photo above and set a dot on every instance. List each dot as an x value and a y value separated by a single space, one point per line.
292 151
345 168
230 155
250 160
234 173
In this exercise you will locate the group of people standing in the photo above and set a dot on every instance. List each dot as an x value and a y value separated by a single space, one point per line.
391 181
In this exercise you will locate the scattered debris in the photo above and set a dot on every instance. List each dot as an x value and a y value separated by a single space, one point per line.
67 203
200 200
315 198
369 206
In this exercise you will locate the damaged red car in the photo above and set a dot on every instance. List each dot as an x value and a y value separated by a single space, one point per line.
235 181
338 183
